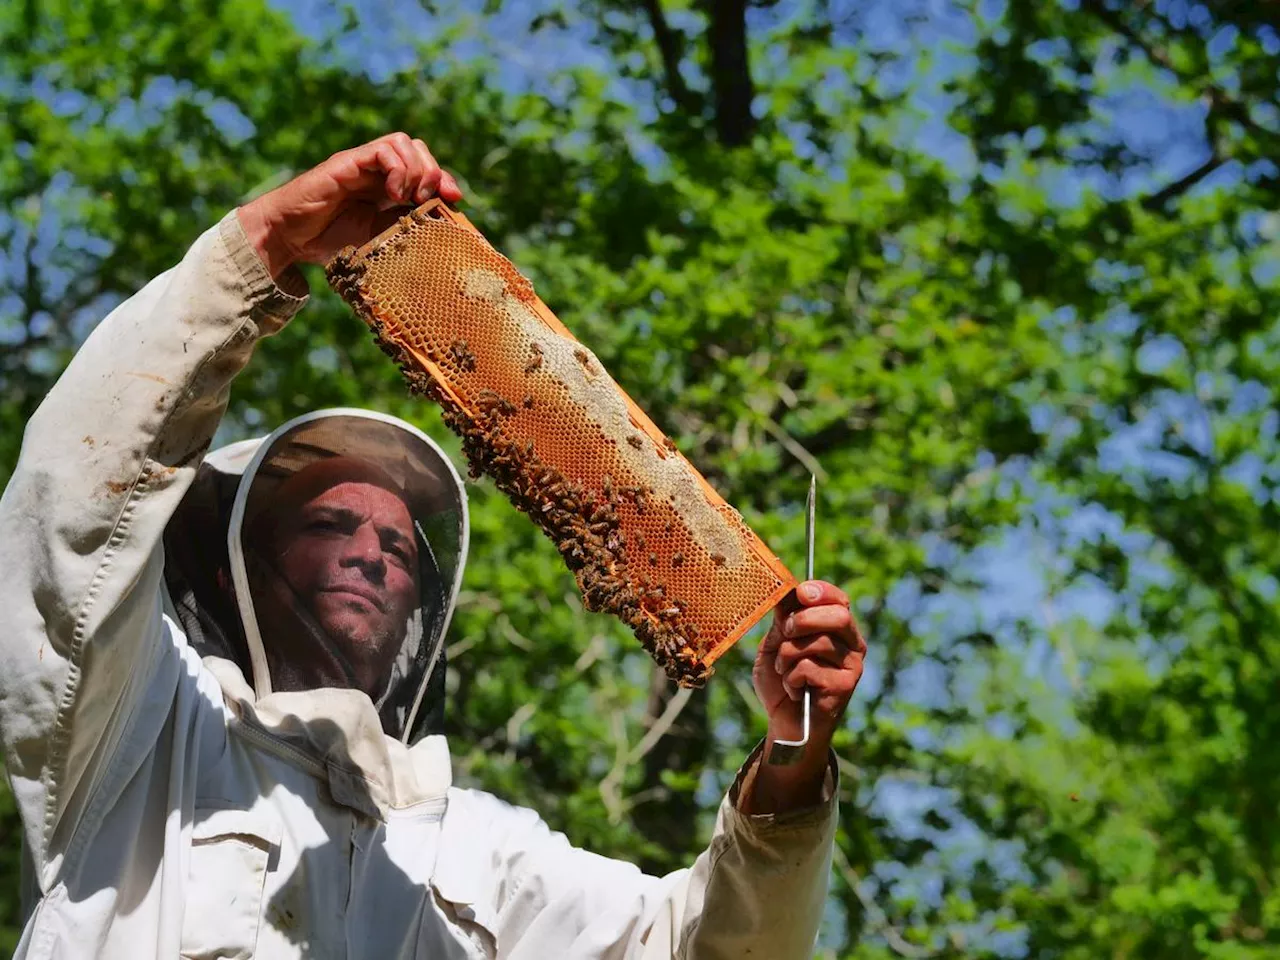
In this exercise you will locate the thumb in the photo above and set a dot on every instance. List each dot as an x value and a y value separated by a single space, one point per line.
773 639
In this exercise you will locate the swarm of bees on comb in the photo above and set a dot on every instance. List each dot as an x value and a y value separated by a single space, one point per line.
646 537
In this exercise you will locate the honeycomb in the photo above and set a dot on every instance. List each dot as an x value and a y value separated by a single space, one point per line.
645 535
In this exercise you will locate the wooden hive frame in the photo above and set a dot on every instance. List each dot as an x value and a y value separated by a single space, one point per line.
689 585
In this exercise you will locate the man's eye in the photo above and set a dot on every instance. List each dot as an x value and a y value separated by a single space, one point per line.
322 524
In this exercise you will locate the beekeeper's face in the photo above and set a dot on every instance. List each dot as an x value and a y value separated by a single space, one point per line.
351 556
348 558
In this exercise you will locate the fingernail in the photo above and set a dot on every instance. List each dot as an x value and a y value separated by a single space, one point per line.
777 665
789 626
810 591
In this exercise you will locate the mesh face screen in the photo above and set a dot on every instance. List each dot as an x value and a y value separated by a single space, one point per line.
647 538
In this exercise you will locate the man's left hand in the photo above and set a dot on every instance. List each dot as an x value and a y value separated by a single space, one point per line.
814 644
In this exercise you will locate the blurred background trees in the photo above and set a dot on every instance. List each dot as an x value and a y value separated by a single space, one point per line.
1005 275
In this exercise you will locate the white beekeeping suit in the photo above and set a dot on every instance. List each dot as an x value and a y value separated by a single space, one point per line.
177 802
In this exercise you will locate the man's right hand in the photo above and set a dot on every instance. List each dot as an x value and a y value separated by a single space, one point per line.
349 199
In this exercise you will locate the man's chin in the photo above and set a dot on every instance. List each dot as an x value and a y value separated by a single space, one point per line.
349 617
354 632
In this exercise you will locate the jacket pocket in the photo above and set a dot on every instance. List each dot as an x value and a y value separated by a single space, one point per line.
231 852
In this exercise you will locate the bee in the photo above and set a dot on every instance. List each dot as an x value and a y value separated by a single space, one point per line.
653 559
640 541
493 403
669 444
461 353
534 364
641 503
677 559
669 526
608 589
635 442
606 485
528 401
718 559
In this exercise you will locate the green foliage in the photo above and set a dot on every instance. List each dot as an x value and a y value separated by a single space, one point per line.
1042 341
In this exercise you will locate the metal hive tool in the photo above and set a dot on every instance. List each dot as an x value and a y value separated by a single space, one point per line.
646 536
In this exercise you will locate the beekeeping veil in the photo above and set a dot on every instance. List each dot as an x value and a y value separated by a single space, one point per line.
208 551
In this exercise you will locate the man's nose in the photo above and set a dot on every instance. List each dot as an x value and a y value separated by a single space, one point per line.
364 549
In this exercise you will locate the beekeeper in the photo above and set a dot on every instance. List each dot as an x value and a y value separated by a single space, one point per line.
221 684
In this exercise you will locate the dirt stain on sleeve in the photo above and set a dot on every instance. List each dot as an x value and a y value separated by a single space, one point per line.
148 376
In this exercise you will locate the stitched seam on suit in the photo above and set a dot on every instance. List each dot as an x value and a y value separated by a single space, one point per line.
61 739
267 742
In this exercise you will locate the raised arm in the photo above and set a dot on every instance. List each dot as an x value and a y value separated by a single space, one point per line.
104 462
106 459
759 888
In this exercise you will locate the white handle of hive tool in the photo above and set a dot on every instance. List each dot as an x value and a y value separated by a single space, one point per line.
787 752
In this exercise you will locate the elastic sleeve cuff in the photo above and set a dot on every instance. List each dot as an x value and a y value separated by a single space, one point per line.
276 300
800 816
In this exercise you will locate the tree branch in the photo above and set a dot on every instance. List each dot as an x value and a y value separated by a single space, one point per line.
795 448
1180 186
670 47
625 756
731 71
677 742
1113 20
1221 104
877 919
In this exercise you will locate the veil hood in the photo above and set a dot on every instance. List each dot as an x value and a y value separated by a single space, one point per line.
205 548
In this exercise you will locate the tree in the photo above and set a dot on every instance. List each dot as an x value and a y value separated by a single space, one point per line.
1160 415
1037 334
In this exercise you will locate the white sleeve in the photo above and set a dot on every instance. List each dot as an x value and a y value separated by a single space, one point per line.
104 462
